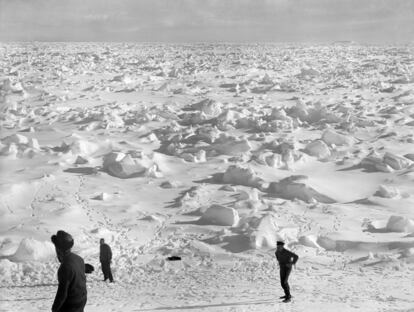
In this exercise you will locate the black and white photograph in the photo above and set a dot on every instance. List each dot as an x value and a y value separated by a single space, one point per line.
207 155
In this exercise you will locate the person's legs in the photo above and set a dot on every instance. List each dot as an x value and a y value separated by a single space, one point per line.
111 279
284 276
104 270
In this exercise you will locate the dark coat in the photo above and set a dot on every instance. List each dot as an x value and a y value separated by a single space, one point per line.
286 257
89 268
105 254
71 294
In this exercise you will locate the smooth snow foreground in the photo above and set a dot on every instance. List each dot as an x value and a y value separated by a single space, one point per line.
210 153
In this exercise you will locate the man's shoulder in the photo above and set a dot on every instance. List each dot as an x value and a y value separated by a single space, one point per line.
291 253
72 258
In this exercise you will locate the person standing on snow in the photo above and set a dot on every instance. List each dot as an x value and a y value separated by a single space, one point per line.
286 259
105 257
71 295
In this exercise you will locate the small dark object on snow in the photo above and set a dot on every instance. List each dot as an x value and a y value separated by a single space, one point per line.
174 258
89 268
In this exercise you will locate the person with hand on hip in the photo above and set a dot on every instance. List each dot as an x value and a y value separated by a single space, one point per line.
286 260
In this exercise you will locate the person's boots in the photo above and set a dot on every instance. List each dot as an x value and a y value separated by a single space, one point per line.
287 299
283 297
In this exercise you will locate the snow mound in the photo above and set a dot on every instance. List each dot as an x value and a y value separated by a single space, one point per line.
220 215
113 120
198 157
266 233
86 148
193 118
263 231
387 192
16 198
209 107
388 163
237 174
270 159
318 148
150 138
278 114
289 189
102 196
126 166
373 162
312 113
33 250
309 241
16 139
400 224
396 162
6 270
332 137
170 184
19 146
152 218
229 119
230 145
201 248
207 133
252 194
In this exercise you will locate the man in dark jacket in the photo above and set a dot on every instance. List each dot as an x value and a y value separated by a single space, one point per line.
71 295
286 259
105 257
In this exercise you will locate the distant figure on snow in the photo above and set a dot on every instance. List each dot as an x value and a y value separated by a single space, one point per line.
71 295
105 257
286 259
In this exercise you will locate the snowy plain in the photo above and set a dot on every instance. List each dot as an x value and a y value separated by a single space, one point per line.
210 152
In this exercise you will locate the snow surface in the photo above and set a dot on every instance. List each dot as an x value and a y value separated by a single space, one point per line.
209 152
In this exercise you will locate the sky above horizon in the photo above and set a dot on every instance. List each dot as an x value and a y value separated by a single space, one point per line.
370 21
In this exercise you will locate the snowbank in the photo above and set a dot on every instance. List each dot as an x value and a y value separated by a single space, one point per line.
220 215
19 146
289 189
387 192
86 148
309 241
126 166
33 250
388 163
7 270
332 137
266 233
396 162
400 224
240 175
230 145
209 107
318 148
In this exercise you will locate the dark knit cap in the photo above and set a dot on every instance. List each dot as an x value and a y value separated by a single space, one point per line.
279 243
62 240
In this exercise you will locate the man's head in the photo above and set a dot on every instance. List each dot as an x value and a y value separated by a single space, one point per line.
101 241
63 243
279 245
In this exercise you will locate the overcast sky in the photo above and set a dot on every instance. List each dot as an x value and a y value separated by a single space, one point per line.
372 21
